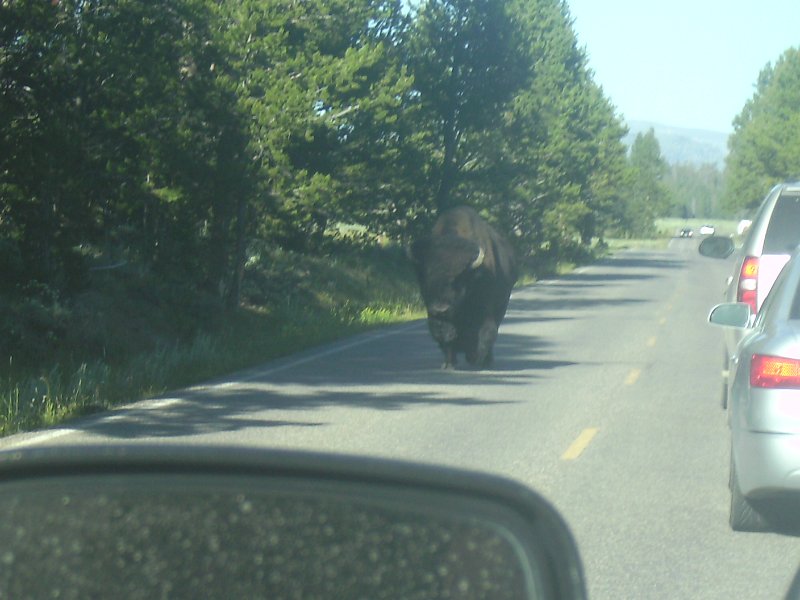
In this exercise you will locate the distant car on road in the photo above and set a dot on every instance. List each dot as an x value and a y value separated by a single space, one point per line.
763 401
768 244
707 230
686 233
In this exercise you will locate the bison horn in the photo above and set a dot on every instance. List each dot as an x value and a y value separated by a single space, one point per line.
478 259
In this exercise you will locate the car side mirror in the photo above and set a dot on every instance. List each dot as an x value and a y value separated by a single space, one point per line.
716 247
137 521
731 314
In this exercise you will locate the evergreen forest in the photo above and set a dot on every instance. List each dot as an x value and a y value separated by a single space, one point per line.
183 139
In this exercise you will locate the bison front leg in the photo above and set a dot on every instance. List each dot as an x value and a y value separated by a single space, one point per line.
449 357
444 332
486 338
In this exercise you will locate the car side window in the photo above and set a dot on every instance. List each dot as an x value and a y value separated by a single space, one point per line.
783 232
794 311
773 293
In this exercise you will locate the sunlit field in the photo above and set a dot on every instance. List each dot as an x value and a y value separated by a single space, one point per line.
671 227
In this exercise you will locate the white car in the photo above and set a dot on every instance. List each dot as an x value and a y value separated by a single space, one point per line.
763 395
707 230
767 246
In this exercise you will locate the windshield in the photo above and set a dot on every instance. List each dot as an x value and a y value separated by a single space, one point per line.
450 232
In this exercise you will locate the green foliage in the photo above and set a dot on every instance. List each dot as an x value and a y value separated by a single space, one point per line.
647 195
561 157
466 68
695 190
178 143
765 145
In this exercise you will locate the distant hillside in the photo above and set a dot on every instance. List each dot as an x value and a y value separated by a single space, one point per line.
694 146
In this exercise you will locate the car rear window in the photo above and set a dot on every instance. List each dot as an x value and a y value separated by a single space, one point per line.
783 233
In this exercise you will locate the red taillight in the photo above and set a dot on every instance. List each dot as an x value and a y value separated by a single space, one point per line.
748 283
774 372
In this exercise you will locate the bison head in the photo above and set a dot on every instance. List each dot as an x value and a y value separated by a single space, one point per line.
444 266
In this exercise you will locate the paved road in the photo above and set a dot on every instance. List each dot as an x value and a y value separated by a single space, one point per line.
604 397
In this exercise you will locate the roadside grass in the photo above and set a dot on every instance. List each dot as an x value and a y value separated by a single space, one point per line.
302 302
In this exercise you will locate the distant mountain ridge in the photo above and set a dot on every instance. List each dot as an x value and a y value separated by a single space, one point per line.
680 146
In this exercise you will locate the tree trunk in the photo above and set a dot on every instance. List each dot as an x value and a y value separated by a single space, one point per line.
240 255
449 167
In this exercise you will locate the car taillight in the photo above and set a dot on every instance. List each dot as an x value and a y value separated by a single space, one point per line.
774 372
748 283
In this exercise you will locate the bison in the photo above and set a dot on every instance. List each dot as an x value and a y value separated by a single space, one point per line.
466 271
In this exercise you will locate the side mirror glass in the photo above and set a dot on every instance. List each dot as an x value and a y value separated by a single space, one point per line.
147 522
731 314
716 247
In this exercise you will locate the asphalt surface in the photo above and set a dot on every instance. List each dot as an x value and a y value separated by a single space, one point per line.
604 396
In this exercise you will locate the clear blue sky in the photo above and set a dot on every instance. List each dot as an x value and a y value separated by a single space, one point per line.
684 63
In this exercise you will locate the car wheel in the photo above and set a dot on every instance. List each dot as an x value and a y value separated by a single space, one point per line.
744 516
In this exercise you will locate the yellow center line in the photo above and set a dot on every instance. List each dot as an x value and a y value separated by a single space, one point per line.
633 376
651 342
662 320
579 445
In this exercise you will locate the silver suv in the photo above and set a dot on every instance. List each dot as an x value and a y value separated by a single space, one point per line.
767 247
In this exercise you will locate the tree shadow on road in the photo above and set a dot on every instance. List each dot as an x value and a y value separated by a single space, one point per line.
204 412
388 370
365 381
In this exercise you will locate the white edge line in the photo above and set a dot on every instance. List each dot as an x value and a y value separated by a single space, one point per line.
311 358
37 439
166 402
